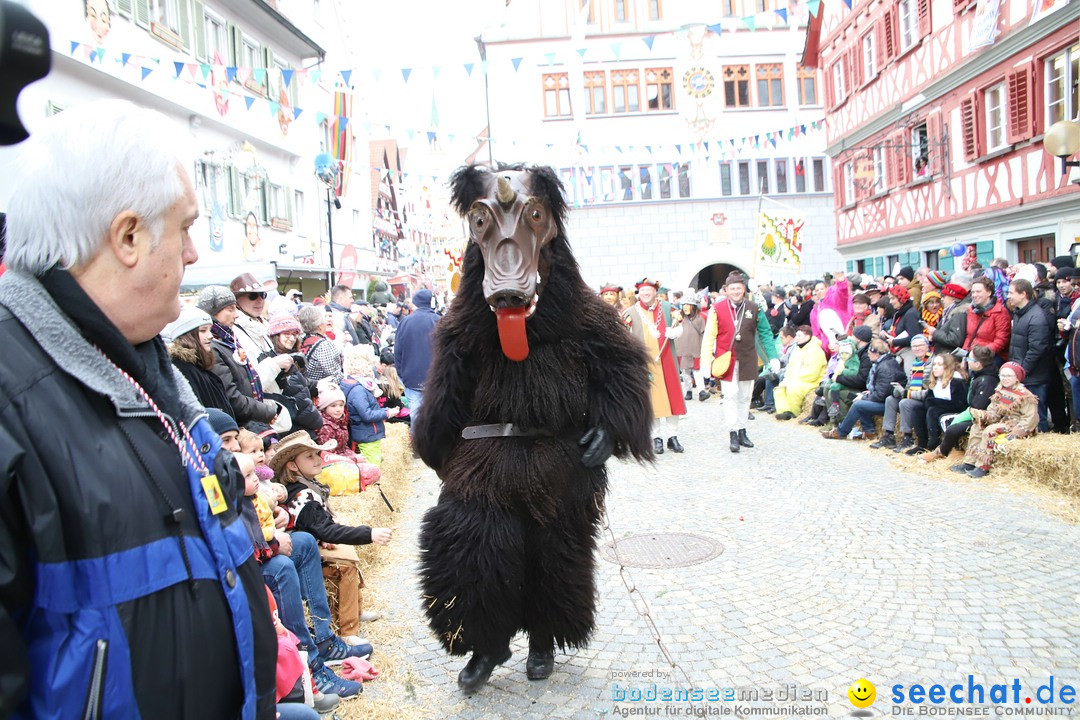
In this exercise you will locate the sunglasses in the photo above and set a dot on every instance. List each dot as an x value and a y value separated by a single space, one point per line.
256 296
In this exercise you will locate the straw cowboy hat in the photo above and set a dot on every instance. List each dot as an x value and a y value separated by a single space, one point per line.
292 445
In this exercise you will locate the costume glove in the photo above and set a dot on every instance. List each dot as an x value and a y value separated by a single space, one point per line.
774 365
598 447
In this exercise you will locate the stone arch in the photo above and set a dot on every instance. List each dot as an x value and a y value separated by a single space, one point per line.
709 266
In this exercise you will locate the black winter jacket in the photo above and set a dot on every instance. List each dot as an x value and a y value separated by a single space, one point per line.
237 383
957 398
114 574
204 383
888 372
1031 344
906 319
983 385
296 397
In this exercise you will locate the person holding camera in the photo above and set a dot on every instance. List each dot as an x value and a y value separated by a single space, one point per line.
289 386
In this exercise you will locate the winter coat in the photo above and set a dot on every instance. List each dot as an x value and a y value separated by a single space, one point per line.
412 347
806 366
956 401
952 328
366 418
252 335
237 383
982 386
905 325
689 343
1017 408
883 374
204 383
1032 345
309 511
990 328
337 430
290 388
857 380
104 611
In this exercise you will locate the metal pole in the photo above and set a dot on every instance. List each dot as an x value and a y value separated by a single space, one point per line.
487 101
330 234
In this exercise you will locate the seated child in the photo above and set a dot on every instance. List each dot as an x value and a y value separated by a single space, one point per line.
366 418
347 471
297 464
1013 413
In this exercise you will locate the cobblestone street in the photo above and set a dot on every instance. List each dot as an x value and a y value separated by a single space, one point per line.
834 566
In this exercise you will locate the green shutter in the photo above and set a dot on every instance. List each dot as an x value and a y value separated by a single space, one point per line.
142 13
184 10
947 263
237 52
985 252
198 30
123 7
879 267
264 203
232 177
268 62
289 205
851 266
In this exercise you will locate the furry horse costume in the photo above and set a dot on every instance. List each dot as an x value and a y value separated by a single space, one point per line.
534 383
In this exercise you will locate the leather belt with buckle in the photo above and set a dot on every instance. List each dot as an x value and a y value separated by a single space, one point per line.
475 432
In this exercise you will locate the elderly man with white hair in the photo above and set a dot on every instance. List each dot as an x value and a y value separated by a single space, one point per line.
127 584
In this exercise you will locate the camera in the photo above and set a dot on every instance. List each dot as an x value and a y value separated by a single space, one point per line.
24 57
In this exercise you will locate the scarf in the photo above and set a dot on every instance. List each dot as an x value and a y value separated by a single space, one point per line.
931 318
226 337
918 371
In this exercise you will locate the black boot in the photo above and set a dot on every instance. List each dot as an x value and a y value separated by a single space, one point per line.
703 395
888 440
477 671
735 444
540 663
658 446
689 394
744 440
673 443
906 442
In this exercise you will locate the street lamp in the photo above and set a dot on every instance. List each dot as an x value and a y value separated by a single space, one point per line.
1062 140
327 168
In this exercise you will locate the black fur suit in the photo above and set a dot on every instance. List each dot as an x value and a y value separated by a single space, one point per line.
510 544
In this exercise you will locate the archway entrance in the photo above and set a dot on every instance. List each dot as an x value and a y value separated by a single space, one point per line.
713 276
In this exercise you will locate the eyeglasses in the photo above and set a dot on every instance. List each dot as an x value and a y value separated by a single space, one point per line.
256 296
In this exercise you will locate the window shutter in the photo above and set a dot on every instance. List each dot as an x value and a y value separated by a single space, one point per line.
969 124
923 9
1018 89
289 205
124 8
984 252
838 185
935 133
855 65
142 13
902 161
264 202
236 52
960 5
828 97
234 191
879 43
891 33
198 30
184 9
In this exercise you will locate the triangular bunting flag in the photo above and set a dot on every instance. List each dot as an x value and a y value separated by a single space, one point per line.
230 74
100 52
296 113
343 122
405 73
320 118
517 63
430 137
286 77
814 6
648 149
715 28
145 71
249 101
314 75
124 57
411 133
678 149
848 3
649 40
434 113
259 74
468 69
706 147
376 74
750 21
243 74
274 107
773 141
803 129
782 12
435 70
616 49
200 86
179 68
346 76
582 51
205 70
550 58
74 46
618 148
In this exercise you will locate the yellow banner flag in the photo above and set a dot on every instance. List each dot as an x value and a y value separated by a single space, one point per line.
778 240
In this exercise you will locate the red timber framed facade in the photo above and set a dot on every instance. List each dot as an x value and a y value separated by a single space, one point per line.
935 141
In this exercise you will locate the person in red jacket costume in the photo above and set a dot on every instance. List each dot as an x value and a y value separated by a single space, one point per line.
988 321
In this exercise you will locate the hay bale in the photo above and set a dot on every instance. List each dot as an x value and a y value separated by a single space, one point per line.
1048 460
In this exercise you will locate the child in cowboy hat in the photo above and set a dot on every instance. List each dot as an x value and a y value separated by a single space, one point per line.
297 464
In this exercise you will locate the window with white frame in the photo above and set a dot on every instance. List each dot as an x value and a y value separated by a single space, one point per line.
839 82
277 202
994 102
645 182
879 170
218 47
781 167
665 181
800 175
819 175
744 177
299 223
1062 73
626 182
166 13
683 171
607 183
849 183
920 150
909 23
725 178
869 56
763 177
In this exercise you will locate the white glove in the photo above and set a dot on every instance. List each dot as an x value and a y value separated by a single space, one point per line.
672 332
774 365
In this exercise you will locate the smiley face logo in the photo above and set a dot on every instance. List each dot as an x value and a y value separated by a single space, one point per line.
862 693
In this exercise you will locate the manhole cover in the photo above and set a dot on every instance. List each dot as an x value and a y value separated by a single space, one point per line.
662 550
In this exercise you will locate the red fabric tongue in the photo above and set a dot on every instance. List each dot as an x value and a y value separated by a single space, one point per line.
512 333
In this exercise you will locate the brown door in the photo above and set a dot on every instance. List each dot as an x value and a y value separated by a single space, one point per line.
1037 249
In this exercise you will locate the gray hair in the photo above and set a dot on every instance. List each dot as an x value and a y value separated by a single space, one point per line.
79 171
312 318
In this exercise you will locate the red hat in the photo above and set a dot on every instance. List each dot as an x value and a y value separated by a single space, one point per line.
647 281
610 287
1017 369
900 293
954 291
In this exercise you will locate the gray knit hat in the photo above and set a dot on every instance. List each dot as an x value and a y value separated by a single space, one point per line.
215 298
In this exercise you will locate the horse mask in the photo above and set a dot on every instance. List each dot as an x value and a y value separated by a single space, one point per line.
513 213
